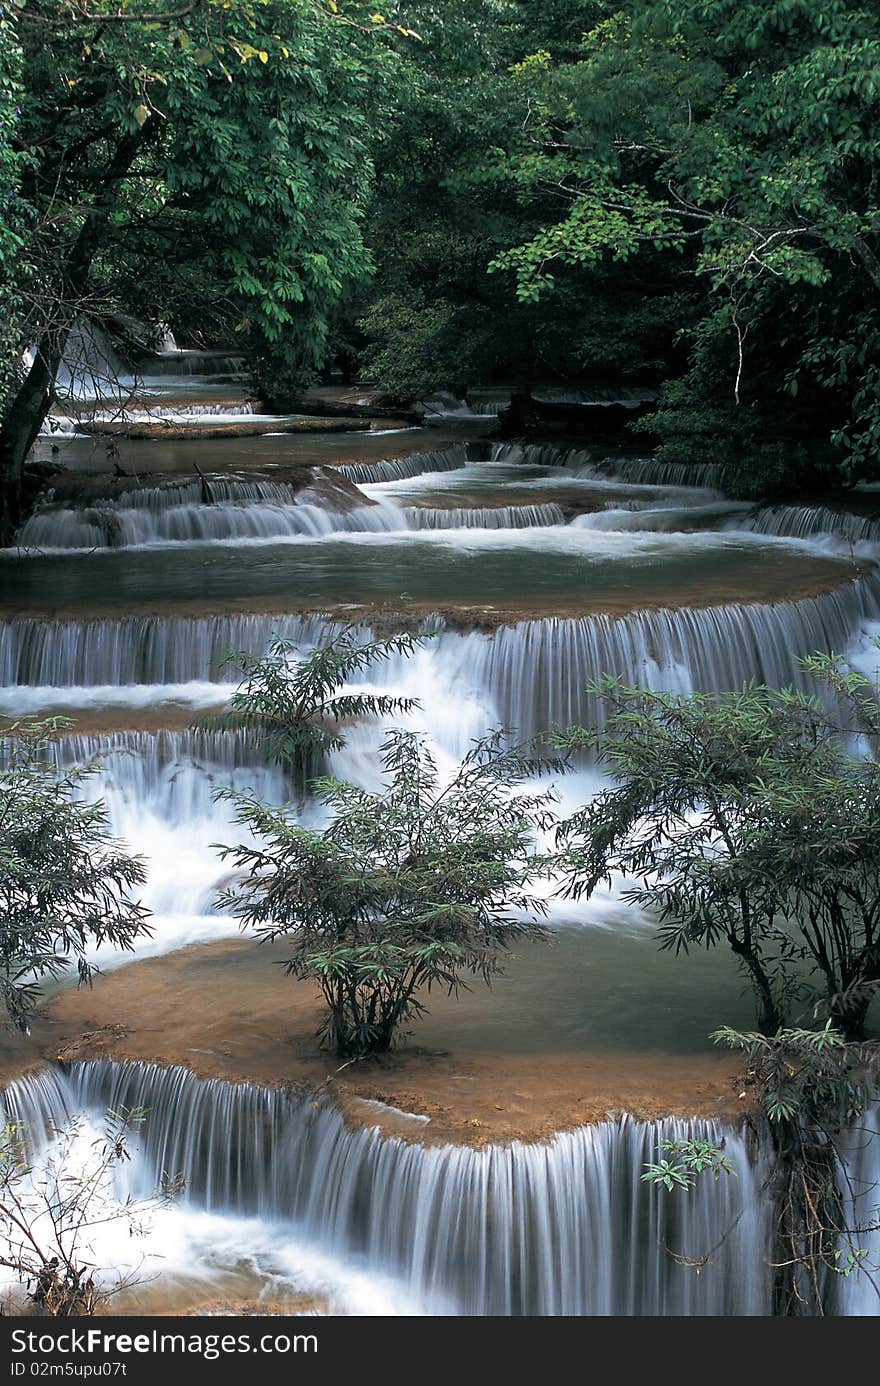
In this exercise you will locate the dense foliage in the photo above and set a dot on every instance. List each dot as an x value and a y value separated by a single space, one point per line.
207 168
742 141
680 194
444 208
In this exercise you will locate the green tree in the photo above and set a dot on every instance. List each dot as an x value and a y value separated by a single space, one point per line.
415 887
294 704
215 151
65 882
442 209
743 818
811 1086
12 223
742 140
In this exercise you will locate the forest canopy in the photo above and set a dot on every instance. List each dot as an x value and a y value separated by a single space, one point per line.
680 195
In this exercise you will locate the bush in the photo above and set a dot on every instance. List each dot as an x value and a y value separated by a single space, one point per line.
414 887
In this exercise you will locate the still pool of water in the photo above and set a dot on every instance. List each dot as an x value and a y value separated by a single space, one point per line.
559 567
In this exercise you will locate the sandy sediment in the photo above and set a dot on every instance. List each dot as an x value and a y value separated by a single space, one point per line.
224 1012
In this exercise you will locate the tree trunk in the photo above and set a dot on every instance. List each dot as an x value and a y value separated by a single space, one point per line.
870 262
21 426
808 1218
27 412
770 1017
850 1017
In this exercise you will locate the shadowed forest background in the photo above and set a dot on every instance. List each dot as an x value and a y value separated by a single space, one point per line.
679 195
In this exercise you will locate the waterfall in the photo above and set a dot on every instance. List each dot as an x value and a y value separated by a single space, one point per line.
459 455
186 361
540 455
142 513
562 1228
535 672
166 407
159 792
106 527
150 753
92 363
239 509
173 519
785 521
140 649
662 518
853 1294
484 517
192 492
649 471
401 468
802 522
170 775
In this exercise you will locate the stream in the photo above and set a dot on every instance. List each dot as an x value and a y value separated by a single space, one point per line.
534 571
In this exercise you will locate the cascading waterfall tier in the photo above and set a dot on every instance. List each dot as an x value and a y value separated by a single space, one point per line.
402 468
804 522
483 517
105 528
170 774
540 455
453 458
159 790
649 471
165 407
114 525
563 1228
538 669
660 517
228 509
534 672
225 749
141 650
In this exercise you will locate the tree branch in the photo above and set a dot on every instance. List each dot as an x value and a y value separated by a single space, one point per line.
78 14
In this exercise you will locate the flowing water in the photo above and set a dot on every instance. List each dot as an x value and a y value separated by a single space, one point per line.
531 572
567 1227
283 1200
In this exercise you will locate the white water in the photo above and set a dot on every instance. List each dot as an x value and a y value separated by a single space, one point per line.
806 521
242 510
531 677
113 525
563 1228
286 1191
158 789
533 674
710 648
287 1196
282 1199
